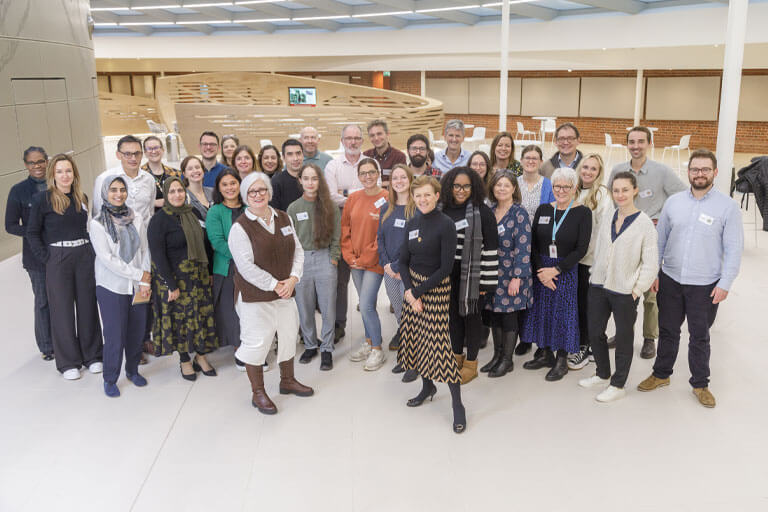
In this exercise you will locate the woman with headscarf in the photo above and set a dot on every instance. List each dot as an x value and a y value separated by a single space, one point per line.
122 282
183 307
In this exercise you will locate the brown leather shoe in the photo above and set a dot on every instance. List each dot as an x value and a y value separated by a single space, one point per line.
705 397
652 383
649 349
288 383
468 371
260 399
459 360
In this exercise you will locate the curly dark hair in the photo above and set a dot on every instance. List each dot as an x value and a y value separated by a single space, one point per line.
446 185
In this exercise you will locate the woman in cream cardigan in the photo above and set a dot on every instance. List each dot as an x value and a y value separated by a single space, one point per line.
626 263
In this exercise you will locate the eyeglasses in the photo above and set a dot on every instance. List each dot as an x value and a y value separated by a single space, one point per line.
152 149
531 158
258 192
36 163
417 149
353 139
135 154
702 170
367 174
562 188
566 139
465 188
209 144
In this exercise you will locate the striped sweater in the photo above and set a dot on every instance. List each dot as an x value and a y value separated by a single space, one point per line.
489 275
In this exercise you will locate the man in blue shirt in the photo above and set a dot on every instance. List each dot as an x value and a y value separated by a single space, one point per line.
701 239
209 150
16 218
453 155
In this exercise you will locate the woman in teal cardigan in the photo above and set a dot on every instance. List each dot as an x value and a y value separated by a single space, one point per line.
227 208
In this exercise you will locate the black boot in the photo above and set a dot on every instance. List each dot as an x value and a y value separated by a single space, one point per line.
561 367
484 333
394 343
542 358
522 348
498 345
505 364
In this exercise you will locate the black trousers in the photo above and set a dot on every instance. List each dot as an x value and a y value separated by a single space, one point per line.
71 287
42 312
624 308
678 302
342 289
123 332
465 330
582 293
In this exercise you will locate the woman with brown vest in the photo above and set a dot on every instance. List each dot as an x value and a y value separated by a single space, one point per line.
268 263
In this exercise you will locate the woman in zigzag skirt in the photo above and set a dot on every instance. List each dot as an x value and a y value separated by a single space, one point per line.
426 260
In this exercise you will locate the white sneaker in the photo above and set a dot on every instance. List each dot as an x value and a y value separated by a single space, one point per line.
592 382
71 374
96 367
611 394
375 360
362 353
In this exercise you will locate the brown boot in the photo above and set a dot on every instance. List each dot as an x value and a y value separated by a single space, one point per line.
468 371
288 383
705 396
260 400
459 360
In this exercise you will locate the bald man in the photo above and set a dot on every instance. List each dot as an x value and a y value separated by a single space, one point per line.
309 137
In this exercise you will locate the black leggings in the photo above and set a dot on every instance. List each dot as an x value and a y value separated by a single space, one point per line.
465 330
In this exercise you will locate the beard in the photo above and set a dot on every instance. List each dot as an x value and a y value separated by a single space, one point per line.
418 160
699 184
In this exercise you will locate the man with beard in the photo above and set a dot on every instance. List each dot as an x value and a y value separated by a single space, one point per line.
655 182
700 244
209 151
418 152
382 151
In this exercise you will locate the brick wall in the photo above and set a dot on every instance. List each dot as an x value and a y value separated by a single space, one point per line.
406 81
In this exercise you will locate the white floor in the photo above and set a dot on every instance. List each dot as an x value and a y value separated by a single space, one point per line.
355 446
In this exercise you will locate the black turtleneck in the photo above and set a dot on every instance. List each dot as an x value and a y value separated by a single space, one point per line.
47 227
428 250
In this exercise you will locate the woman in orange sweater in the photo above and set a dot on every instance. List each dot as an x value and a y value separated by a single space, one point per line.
359 225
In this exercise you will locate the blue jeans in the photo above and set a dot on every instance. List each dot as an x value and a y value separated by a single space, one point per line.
317 281
367 284
42 314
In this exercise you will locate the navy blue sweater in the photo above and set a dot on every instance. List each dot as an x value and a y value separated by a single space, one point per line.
17 212
391 236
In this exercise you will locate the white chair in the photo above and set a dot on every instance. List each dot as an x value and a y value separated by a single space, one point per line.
156 128
265 142
478 137
609 147
485 148
548 126
684 144
522 133
436 143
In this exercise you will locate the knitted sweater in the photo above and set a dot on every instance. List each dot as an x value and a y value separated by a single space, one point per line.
603 213
631 263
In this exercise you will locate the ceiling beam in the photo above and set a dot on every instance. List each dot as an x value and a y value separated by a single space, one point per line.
262 27
625 6
328 6
387 21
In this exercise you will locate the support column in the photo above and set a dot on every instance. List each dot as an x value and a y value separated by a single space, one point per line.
423 83
731 88
638 98
504 67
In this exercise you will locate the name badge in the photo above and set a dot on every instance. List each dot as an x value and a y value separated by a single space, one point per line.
462 224
286 231
413 234
706 219
399 223
386 172
302 216
379 202
544 219
500 229
553 251
646 193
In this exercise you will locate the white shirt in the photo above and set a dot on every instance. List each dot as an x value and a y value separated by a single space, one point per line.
242 253
141 193
111 271
341 174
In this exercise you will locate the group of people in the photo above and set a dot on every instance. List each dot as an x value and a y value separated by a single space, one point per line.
243 250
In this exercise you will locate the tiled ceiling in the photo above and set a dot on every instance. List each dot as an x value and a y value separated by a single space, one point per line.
148 17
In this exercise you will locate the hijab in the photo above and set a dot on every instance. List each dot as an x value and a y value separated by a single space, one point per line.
190 224
118 221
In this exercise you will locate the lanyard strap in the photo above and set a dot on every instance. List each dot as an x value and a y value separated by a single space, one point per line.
555 223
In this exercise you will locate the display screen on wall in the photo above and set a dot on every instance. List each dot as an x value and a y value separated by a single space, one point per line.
302 96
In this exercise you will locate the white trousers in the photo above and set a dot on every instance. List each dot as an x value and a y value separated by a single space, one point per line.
259 321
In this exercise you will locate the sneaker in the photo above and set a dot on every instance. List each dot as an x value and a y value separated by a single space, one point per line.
308 355
137 379
611 394
652 383
111 390
375 360
326 361
578 360
96 367
47 357
591 357
362 353
71 374
705 397
593 381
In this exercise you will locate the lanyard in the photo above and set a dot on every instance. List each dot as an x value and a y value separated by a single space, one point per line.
555 223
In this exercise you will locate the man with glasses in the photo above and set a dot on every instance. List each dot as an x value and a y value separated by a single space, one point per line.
382 151
418 155
285 184
153 148
341 176
701 239
17 210
656 183
209 151
567 139
453 155
309 137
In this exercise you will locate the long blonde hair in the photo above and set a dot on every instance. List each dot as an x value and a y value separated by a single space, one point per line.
59 200
598 189
410 207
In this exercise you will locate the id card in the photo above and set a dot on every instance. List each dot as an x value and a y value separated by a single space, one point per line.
286 231
302 216
413 234
544 219
462 224
379 202
646 193
500 229
399 223
706 219
553 251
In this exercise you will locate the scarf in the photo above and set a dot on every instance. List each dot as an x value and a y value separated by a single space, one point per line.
190 224
118 221
469 280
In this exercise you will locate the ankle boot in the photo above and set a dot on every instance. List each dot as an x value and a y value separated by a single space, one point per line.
288 383
559 370
505 364
459 360
498 345
542 358
259 399
468 371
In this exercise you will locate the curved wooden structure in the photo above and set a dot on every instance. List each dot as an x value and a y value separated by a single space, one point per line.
254 106
122 113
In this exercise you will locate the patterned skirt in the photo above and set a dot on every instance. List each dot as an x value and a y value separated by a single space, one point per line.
425 341
553 320
186 324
